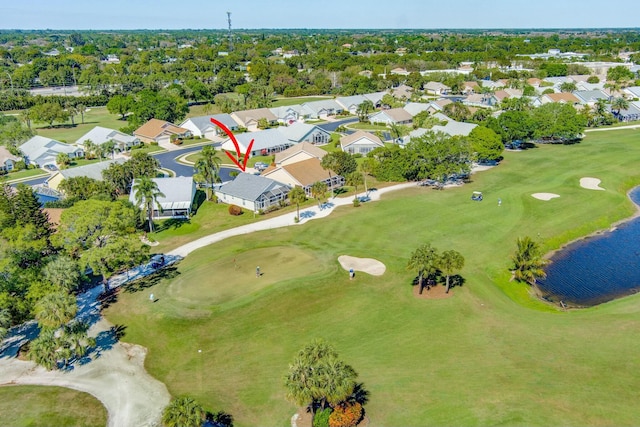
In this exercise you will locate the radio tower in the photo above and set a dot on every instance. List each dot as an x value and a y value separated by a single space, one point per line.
230 36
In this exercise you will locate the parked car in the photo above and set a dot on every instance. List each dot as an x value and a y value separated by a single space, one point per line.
260 166
51 168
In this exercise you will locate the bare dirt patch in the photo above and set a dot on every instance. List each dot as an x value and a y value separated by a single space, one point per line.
544 196
590 183
434 292
366 265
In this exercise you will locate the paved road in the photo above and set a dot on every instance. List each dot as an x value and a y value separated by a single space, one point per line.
168 160
332 126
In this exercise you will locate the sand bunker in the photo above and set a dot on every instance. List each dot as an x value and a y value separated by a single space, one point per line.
545 196
590 183
367 265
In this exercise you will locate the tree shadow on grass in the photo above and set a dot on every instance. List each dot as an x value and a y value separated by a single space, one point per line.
151 280
105 341
172 224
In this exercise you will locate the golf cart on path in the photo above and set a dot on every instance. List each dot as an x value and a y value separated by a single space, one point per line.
477 196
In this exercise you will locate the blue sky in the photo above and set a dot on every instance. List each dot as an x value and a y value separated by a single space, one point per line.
211 14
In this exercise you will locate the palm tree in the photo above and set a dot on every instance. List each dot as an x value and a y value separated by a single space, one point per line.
366 167
319 191
208 166
354 179
297 196
43 349
108 147
81 109
528 265
63 160
55 309
207 109
183 412
146 193
618 104
5 322
364 109
26 115
423 260
329 163
449 262
90 149
76 338
63 271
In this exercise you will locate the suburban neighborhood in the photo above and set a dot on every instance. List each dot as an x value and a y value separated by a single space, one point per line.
319 227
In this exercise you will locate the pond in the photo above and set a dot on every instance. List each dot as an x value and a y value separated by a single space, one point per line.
597 269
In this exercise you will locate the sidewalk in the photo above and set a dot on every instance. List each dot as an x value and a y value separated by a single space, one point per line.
285 220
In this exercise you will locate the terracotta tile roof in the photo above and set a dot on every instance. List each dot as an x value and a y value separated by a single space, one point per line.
308 171
563 97
154 128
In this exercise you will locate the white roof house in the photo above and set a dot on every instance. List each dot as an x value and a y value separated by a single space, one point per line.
252 192
415 108
321 109
7 160
178 197
393 116
351 103
304 132
203 127
436 88
92 170
360 142
42 151
453 127
287 114
250 118
99 135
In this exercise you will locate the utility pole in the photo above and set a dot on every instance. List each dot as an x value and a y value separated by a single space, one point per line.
230 36
10 81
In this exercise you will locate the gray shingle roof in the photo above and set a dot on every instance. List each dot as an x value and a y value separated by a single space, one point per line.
251 187
204 122
99 135
178 192
93 170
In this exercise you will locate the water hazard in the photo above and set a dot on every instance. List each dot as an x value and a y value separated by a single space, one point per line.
597 269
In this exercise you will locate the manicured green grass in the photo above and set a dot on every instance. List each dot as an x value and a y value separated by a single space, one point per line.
96 116
491 355
25 173
23 406
281 102
366 126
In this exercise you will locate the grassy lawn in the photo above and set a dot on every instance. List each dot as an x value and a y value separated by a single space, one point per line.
366 126
23 406
25 173
96 116
282 102
490 355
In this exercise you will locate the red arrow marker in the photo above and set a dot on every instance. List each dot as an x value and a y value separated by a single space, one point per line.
242 165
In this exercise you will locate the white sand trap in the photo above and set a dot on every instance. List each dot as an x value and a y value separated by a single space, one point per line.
590 183
367 265
545 196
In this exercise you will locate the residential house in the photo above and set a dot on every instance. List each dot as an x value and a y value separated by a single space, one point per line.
400 71
562 97
534 81
513 93
402 92
469 88
249 118
100 135
265 142
298 153
7 160
177 202
360 142
630 114
436 88
288 114
252 192
203 127
305 132
493 85
41 151
633 91
438 105
590 97
452 127
304 174
160 131
479 100
376 98
92 170
591 86
498 96
351 103
321 109
414 108
393 116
